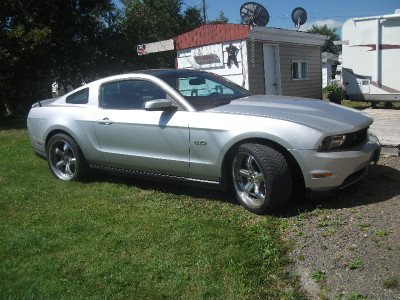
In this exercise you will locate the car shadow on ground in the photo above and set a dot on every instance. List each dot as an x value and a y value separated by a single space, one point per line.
176 188
381 184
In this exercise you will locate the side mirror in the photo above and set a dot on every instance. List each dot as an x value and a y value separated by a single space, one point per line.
159 105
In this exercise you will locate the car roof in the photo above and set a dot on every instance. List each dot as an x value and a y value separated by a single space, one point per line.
156 72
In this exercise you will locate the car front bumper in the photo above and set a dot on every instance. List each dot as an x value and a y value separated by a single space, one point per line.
330 171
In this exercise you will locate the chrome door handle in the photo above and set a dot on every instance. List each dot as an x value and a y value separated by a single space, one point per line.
105 121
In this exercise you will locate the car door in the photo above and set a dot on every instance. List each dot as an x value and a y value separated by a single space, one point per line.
132 138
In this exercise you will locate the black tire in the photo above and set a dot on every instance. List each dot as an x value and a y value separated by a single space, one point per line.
261 177
65 159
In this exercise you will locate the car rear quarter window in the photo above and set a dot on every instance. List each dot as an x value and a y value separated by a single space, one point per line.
80 97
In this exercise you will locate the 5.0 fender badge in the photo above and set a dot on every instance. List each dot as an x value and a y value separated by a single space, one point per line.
200 143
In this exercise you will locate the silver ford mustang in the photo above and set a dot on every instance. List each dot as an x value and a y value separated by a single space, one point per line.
197 127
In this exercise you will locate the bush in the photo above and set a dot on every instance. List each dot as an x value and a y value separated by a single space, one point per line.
334 93
15 108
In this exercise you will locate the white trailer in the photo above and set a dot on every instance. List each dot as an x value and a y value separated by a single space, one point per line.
371 58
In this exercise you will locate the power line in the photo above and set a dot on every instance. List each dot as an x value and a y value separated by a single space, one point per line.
348 13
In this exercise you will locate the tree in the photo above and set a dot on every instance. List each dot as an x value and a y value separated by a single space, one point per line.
191 19
221 19
77 41
330 32
147 21
22 49
42 41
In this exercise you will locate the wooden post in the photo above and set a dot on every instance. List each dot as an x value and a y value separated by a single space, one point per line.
204 11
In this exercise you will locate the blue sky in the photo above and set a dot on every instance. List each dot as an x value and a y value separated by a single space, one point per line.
319 12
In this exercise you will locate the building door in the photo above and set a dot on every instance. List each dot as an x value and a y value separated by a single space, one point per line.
272 73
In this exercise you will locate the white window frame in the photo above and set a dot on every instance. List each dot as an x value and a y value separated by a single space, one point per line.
300 71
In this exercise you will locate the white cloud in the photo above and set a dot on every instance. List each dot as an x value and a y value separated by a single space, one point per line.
329 22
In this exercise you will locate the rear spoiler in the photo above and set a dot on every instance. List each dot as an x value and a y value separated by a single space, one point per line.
44 102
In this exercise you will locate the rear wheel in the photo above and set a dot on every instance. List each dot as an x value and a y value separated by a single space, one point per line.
65 158
261 177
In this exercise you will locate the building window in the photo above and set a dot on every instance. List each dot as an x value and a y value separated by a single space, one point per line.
299 70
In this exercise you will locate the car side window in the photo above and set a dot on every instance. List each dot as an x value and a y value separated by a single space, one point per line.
81 97
129 94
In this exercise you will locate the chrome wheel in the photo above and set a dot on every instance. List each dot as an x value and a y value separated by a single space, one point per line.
62 159
249 180
65 158
261 177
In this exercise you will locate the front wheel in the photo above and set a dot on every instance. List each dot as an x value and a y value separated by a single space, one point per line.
65 158
261 177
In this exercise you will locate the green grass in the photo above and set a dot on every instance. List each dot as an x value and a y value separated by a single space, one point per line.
364 226
329 232
364 104
356 296
318 276
355 264
116 237
382 233
391 283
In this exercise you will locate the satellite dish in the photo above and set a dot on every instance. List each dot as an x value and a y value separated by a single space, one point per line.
253 13
299 17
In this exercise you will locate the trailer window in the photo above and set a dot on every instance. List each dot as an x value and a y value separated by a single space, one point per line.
299 70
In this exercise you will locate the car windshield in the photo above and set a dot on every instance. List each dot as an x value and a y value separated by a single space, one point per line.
203 90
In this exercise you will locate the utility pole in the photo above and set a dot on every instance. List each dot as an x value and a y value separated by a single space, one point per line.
204 11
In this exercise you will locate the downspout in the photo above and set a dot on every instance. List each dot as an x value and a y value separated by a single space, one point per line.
378 52
176 55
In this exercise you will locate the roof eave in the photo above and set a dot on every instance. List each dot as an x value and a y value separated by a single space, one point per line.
286 36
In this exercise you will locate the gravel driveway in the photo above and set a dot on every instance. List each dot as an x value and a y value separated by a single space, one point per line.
348 246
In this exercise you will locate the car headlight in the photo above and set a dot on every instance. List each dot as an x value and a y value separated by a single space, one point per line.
332 142
344 141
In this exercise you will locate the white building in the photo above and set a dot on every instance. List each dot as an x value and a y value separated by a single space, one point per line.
263 60
330 63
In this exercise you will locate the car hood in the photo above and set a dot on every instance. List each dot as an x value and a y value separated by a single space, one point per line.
318 114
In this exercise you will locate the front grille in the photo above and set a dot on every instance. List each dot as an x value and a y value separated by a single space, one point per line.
355 138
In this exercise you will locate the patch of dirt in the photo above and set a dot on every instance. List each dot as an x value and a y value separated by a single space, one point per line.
348 246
